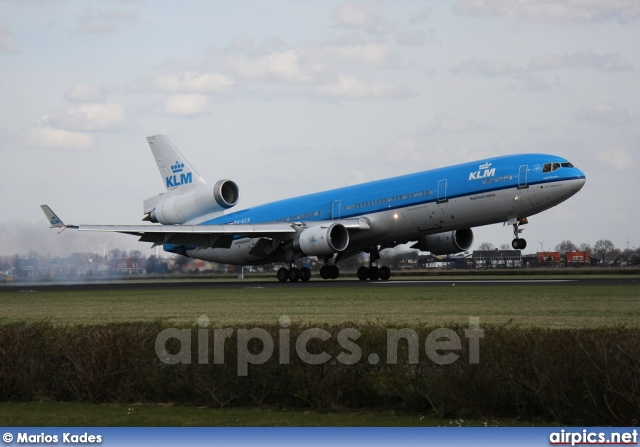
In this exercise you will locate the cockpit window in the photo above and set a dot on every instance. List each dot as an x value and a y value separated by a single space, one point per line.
550 167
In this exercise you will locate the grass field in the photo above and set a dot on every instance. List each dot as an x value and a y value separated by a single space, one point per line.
48 414
552 306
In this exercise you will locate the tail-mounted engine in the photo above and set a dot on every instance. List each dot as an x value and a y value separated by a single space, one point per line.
181 208
446 243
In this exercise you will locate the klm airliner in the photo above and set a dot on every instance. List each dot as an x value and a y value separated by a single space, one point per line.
436 209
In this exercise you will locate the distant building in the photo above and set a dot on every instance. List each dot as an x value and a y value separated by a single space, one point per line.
128 265
577 258
497 259
549 259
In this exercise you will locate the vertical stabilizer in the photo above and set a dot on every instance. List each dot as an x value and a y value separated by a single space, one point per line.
177 173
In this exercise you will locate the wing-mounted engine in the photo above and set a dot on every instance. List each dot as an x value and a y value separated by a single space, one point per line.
323 240
446 243
180 208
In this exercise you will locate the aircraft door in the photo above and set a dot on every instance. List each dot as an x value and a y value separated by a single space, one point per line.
522 177
442 191
335 209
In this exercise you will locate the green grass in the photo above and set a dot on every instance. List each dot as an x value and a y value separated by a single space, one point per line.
553 306
51 414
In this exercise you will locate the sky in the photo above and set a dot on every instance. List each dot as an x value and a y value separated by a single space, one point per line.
293 97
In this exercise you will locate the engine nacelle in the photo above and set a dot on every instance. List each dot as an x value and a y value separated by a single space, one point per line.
323 240
198 202
446 243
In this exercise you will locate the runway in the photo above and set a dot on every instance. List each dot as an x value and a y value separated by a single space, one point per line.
316 283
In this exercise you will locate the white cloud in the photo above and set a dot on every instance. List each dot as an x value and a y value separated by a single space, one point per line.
616 158
416 38
604 113
84 92
421 16
7 44
368 54
406 150
486 67
623 11
88 117
419 152
365 16
602 62
102 22
194 82
349 87
446 123
47 137
528 76
186 105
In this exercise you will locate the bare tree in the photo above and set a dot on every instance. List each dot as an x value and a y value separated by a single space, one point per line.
585 247
566 246
115 253
136 254
486 246
604 248
505 247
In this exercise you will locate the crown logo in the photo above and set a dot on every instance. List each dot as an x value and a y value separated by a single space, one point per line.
484 166
177 167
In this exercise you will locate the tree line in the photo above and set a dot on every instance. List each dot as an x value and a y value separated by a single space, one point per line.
604 250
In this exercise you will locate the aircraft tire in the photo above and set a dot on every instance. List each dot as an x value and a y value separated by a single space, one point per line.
334 272
305 274
283 274
519 244
294 274
385 273
374 273
363 273
324 272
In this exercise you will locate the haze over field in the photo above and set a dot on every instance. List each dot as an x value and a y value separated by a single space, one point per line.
287 98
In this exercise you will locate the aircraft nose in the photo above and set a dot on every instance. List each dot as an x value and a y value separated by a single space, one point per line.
581 180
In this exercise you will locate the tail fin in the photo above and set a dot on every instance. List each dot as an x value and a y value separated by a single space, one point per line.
176 172
52 218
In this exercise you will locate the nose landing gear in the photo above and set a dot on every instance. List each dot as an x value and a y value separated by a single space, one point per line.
519 243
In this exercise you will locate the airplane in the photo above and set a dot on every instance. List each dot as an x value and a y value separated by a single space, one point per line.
436 209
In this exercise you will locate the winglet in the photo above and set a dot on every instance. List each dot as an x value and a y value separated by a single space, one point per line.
52 218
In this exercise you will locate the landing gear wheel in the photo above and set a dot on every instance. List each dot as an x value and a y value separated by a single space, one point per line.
305 274
519 244
363 273
283 274
385 273
324 272
294 274
374 273
334 272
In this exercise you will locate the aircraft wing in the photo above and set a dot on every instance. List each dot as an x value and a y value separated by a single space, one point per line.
203 236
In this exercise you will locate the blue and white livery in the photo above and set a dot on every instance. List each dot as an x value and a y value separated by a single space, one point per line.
436 208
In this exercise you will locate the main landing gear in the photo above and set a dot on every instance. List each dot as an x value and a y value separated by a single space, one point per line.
373 272
294 274
329 271
518 243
